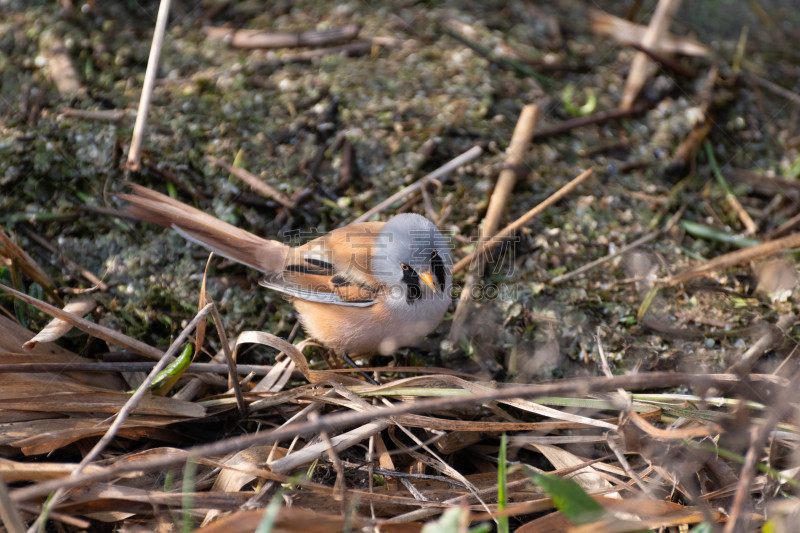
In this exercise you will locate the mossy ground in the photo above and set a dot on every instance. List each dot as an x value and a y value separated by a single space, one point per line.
405 108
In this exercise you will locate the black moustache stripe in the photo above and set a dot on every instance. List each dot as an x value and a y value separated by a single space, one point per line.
411 279
437 265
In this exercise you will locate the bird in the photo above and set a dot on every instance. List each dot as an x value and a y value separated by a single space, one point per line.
362 289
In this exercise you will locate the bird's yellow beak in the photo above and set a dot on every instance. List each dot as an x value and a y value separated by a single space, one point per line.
427 277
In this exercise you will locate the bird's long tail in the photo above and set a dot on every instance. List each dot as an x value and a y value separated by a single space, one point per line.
208 231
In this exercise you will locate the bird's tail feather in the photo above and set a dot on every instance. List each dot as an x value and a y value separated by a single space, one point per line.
208 231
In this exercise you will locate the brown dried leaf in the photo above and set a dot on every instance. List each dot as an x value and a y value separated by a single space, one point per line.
242 469
233 479
57 327
13 336
290 519
725 261
301 364
104 498
587 477
44 436
93 401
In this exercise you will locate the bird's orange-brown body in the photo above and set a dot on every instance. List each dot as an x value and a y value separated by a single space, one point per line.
357 289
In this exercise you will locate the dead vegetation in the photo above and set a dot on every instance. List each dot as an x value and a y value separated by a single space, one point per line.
641 336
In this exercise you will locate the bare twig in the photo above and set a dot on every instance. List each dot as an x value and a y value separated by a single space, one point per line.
596 118
358 47
111 115
9 516
226 347
135 151
503 62
506 232
258 185
625 249
462 159
520 140
733 201
72 265
664 61
775 88
685 152
11 251
659 25
737 257
335 459
625 31
787 226
758 437
589 266
266 39
772 337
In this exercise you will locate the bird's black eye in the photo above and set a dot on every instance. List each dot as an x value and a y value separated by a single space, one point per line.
405 266
434 254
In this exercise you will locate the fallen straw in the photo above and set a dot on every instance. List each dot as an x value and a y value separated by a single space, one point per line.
515 155
504 233
520 140
462 159
135 152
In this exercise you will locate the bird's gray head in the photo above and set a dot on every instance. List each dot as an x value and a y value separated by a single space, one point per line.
412 257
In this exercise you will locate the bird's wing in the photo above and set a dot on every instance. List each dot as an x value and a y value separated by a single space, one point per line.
334 268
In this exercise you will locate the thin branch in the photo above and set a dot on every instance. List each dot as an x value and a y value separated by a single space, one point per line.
767 341
110 115
88 275
625 249
596 118
520 140
265 39
253 181
725 261
758 438
664 61
9 515
775 88
135 152
506 232
402 194
226 348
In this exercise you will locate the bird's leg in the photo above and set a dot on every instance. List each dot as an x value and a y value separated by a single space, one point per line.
352 364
